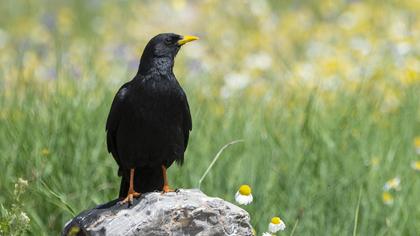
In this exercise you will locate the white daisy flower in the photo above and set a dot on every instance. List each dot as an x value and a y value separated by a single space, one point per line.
24 218
244 196
234 82
267 234
261 60
276 225
393 184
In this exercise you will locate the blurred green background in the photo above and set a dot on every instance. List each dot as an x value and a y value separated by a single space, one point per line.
325 94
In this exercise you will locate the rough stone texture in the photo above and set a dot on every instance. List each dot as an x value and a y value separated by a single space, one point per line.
187 212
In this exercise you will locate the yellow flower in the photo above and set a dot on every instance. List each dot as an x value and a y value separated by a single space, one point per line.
179 4
417 144
410 76
415 165
387 198
276 225
45 152
65 19
374 162
244 196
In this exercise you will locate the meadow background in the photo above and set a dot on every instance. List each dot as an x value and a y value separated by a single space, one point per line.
325 94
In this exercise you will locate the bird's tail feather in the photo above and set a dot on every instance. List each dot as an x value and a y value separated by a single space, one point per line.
146 179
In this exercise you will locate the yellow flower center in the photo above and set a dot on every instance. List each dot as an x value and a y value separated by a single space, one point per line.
276 220
387 197
245 190
417 142
45 152
374 161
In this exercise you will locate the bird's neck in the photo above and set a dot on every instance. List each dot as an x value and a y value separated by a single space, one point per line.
161 65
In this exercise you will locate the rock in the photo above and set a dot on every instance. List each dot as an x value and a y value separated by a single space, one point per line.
187 212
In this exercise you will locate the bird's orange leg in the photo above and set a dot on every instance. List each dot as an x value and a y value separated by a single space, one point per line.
166 188
131 193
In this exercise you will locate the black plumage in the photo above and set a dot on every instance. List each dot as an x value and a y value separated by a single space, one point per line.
149 122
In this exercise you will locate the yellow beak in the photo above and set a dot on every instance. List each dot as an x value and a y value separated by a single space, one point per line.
187 38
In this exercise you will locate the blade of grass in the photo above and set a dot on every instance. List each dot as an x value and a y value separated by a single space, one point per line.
294 227
56 199
356 214
215 159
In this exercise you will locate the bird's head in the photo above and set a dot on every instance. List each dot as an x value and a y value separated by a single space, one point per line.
162 48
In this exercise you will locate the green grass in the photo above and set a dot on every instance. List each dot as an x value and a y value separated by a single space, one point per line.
303 161
307 151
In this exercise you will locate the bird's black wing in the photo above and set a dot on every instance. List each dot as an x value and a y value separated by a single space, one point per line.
118 108
187 123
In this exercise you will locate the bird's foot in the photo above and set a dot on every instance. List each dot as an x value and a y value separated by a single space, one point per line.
130 196
167 189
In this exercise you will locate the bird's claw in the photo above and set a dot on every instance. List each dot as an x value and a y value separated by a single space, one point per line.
130 197
166 189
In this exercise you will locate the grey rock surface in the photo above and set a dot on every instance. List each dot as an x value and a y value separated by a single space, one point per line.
186 212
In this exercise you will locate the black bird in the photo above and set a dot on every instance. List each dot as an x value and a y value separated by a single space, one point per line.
149 122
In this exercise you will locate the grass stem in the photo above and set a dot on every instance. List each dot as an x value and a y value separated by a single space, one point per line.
215 159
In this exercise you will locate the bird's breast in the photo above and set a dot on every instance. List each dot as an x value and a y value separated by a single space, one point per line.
159 101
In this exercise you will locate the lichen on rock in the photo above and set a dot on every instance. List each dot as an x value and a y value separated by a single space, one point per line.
186 212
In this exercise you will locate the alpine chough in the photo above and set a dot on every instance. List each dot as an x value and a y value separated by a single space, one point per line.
149 122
